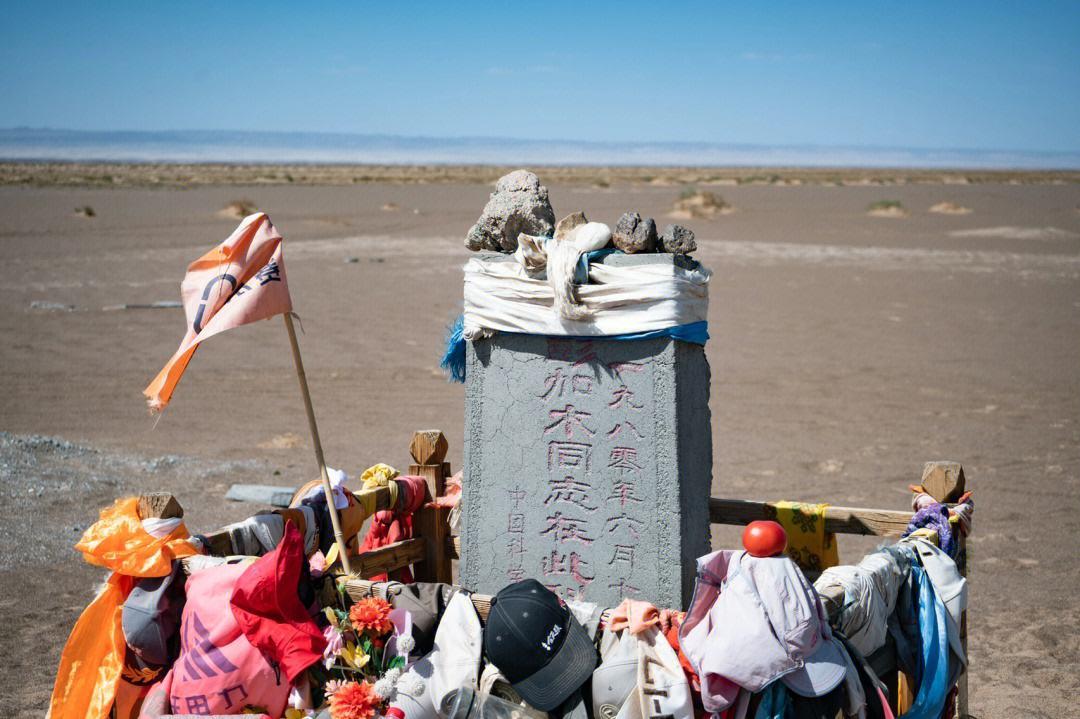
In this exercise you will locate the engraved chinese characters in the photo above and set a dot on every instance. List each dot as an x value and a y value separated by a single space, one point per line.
590 408
573 462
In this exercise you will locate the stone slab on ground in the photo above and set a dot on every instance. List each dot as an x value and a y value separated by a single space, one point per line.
261 494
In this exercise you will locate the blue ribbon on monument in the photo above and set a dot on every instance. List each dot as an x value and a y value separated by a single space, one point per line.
453 359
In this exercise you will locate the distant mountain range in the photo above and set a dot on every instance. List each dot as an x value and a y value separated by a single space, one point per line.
320 147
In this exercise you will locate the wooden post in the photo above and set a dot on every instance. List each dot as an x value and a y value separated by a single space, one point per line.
343 551
945 482
159 505
428 449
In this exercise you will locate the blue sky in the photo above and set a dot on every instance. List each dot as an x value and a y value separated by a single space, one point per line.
983 75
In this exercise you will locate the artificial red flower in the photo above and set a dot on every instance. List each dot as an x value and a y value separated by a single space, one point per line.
354 700
371 614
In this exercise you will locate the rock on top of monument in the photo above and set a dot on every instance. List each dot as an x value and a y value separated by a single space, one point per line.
678 240
569 223
634 234
519 204
520 181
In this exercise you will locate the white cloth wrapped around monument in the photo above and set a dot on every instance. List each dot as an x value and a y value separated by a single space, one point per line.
623 299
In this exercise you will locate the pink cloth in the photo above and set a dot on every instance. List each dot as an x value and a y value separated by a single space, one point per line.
754 620
886 709
451 495
219 671
635 615
240 281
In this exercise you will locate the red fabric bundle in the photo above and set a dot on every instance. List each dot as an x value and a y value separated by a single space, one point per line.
672 635
266 605
389 526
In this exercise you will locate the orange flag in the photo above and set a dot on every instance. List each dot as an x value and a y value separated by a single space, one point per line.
240 281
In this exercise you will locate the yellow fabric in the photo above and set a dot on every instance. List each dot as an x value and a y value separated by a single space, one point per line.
378 475
332 554
928 534
93 657
366 499
905 696
808 544
393 487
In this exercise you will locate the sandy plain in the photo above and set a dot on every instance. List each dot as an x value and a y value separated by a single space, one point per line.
846 350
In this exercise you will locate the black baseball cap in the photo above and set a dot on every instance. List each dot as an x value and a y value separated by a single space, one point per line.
537 644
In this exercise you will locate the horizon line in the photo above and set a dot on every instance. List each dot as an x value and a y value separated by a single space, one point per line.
537 140
44 144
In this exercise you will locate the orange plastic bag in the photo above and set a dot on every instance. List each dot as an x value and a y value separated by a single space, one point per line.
93 657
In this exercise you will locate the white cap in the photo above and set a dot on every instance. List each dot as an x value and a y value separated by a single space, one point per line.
616 677
454 662
640 677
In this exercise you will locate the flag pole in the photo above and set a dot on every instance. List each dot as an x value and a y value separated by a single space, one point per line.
327 489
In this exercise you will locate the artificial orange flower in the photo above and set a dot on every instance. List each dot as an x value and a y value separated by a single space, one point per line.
372 615
354 700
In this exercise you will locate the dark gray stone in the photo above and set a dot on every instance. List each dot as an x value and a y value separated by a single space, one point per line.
620 260
678 240
519 204
587 466
633 234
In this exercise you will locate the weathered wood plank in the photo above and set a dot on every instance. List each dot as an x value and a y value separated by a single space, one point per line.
219 543
453 547
841 520
392 556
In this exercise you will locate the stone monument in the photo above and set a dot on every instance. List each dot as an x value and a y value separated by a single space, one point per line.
588 465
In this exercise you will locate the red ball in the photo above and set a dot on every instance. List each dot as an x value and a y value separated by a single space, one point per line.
764 538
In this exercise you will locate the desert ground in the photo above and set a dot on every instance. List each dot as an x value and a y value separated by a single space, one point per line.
846 350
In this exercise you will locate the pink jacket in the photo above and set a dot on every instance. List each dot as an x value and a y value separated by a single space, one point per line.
219 671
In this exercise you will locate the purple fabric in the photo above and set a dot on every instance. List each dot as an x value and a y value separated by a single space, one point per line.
936 517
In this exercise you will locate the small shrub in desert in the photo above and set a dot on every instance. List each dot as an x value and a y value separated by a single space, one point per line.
949 208
694 204
887 208
238 209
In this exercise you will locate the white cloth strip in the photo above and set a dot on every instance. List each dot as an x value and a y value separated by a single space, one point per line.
159 528
501 297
